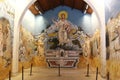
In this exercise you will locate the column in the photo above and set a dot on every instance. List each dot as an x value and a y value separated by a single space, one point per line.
19 14
103 41
103 51
15 54
99 8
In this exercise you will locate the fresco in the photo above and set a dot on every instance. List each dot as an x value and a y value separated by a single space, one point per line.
6 37
5 41
31 49
62 42
113 47
26 45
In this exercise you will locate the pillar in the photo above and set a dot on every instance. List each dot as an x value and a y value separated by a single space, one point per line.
103 50
15 55
19 14
99 9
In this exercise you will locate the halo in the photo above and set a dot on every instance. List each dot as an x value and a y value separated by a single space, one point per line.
63 12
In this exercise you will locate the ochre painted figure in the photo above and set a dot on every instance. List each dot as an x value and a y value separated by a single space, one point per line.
113 28
63 26
5 41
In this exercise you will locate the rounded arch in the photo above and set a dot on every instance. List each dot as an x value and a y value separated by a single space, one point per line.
25 9
87 1
94 9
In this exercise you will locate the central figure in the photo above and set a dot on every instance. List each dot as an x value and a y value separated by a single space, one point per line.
64 27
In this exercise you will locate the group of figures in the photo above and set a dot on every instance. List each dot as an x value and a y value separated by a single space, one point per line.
27 45
62 41
63 35
6 34
31 48
113 47
5 41
113 31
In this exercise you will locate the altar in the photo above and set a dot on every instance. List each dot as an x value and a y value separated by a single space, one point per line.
64 59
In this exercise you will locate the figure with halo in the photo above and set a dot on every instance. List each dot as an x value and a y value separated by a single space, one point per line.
63 26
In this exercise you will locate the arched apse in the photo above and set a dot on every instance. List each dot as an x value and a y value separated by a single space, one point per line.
96 5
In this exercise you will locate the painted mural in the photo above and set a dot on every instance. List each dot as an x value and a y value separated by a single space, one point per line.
5 42
113 48
26 44
61 41
31 49
6 37
62 34
64 42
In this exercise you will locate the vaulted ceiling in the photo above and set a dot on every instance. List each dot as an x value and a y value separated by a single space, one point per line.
41 6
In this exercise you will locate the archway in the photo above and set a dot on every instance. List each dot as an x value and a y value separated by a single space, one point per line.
93 4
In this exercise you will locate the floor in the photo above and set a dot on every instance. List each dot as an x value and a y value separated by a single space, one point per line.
43 73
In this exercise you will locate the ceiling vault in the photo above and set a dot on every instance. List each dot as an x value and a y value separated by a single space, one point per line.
45 5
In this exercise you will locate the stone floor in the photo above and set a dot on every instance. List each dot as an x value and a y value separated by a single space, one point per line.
43 73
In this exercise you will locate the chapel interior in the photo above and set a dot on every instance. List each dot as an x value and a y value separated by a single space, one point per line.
59 40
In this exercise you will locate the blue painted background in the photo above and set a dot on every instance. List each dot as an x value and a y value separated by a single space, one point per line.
112 8
75 16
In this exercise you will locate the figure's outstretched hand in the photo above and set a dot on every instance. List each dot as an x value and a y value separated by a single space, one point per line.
54 21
